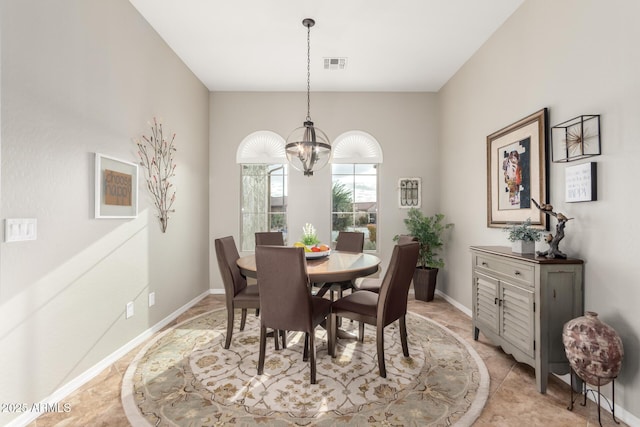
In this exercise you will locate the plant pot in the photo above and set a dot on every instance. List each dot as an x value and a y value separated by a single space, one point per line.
522 247
424 283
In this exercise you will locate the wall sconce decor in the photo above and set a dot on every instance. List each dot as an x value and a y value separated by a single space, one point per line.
156 158
576 139
409 193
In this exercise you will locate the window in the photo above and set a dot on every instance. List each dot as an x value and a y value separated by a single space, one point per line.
263 188
354 194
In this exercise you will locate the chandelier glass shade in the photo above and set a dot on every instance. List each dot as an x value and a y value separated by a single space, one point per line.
308 148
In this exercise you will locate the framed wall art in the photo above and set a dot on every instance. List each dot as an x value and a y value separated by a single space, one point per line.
517 172
580 183
409 193
116 188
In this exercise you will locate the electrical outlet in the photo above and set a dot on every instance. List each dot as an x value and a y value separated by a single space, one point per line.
129 312
152 299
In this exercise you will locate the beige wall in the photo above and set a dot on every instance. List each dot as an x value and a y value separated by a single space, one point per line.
573 57
80 77
404 124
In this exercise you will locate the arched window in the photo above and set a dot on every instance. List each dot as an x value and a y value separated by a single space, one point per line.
354 196
263 188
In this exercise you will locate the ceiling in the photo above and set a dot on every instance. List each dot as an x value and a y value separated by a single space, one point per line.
261 45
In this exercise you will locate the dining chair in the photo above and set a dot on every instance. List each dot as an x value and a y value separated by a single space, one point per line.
237 293
286 302
384 308
272 238
373 283
347 241
350 241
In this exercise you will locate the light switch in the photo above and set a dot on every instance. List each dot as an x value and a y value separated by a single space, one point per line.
20 229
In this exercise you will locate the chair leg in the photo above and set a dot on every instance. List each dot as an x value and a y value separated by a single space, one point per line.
257 312
243 319
305 352
332 331
403 336
263 347
276 337
361 332
284 338
227 341
380 343
330 335
312 350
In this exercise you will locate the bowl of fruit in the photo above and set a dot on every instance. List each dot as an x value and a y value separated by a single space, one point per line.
315 251
312 246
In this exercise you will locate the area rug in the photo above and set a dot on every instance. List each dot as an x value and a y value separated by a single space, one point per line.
184 377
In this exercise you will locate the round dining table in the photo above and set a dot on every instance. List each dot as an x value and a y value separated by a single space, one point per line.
338 266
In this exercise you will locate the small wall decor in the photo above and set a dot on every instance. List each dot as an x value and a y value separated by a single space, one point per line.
409 192
156 157
116 184
576 139
516 172
580 183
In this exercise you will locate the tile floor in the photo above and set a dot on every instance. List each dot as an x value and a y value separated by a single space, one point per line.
513 399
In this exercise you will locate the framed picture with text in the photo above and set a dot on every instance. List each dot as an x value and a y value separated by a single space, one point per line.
517 172
116 184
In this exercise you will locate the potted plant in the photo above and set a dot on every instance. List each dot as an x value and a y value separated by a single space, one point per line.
427 231
523 237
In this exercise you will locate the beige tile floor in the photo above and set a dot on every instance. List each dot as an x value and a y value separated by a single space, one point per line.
513 399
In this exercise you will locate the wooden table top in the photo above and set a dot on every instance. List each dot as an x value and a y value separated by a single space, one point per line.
337 267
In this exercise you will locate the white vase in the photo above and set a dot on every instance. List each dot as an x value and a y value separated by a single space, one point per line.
522 247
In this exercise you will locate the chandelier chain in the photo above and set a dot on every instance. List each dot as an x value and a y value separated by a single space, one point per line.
308 73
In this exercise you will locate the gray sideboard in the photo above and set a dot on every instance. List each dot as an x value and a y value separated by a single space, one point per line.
521 302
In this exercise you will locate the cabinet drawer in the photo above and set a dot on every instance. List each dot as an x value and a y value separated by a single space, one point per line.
521 272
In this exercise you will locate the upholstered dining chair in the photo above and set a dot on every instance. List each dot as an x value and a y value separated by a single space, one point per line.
350 241
373 283
286 302
384 308
237 293
271 238
347 241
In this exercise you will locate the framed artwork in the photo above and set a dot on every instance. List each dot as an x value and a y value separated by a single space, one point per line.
580 183
409 193
517 172
116 188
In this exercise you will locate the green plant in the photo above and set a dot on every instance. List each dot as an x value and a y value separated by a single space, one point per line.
523 232
309 236
427 231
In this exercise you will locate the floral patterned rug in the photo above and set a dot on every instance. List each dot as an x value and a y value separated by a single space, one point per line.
184 377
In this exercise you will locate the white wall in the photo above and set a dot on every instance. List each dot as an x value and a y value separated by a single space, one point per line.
403 123
573 57
80 77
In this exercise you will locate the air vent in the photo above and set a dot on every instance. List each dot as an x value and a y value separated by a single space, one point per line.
335 63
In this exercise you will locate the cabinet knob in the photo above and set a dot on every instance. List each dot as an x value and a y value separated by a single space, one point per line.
517 273
484 264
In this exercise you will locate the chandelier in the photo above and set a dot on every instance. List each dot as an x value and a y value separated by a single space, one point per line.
308 148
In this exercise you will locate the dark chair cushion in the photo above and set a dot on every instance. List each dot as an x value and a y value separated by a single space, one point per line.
361 302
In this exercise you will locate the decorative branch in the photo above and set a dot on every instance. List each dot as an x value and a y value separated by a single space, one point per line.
156 157
553 241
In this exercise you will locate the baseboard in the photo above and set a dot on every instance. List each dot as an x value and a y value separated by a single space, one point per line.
454 303
57 396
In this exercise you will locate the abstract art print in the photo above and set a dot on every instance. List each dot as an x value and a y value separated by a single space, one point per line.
516 172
